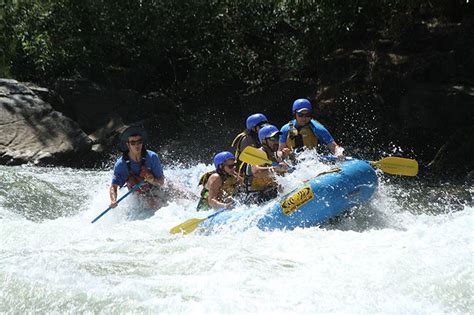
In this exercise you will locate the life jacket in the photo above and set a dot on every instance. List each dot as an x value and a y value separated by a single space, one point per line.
134 179
253 183
237 144
306 137
228 189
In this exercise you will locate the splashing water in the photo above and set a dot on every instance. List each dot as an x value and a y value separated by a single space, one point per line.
409 251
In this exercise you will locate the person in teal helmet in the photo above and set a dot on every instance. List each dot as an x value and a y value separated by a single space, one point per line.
306 132
221 184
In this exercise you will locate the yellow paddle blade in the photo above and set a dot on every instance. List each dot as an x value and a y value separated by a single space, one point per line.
254 156
187 226
397 166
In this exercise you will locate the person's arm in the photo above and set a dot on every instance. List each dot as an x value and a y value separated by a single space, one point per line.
156 176
262 171
283 153
336 150
214 185
282 141
155 181
282 169
323 135
118 180
281 147
113 195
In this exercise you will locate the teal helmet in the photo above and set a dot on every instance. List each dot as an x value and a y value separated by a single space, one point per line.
133 130
268 131
302 104
221 157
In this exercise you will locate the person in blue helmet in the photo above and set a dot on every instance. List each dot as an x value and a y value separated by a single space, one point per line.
260 180
306 132
221 184
249 137
137 164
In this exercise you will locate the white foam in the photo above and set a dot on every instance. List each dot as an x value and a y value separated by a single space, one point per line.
385 258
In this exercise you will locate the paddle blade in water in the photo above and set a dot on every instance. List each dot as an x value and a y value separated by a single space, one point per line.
254 156
187 226
397 166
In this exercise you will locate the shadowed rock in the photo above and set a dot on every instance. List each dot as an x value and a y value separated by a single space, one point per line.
31 131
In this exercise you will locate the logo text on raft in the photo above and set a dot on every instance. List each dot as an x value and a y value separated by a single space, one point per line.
296 200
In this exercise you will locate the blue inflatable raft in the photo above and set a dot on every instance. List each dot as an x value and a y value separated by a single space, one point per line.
327 195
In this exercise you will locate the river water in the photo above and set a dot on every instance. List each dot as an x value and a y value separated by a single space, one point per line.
411 250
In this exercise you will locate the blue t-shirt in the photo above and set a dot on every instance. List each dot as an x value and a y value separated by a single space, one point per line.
152 163
319 131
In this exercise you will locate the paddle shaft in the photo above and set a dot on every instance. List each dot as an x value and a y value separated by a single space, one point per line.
120 199
218 211
390 165
290 169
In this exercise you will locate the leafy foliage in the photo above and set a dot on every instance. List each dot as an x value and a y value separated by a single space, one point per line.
186 45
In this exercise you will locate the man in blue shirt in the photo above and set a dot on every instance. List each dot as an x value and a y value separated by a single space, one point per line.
135 165
306 132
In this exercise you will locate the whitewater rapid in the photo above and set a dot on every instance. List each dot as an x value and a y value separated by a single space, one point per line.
409 251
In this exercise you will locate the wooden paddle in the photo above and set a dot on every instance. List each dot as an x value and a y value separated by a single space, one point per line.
390 165
190 225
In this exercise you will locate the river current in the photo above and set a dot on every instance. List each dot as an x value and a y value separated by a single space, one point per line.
411 250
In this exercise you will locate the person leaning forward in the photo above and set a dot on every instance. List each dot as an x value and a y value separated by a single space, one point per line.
137 164
305 132
248 137
221 184
261 184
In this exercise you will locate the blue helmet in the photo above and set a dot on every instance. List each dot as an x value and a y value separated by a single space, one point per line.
301 104
255 119
268 131
221 157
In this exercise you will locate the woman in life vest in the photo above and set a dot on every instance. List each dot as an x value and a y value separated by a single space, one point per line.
260 179
220 185
135 165
305 132
248 137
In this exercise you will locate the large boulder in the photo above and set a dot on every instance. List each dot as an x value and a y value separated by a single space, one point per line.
89 104
31 131
103 112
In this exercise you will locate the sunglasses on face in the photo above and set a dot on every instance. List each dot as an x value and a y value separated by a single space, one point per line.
274 138
233 165
136 142
304 115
